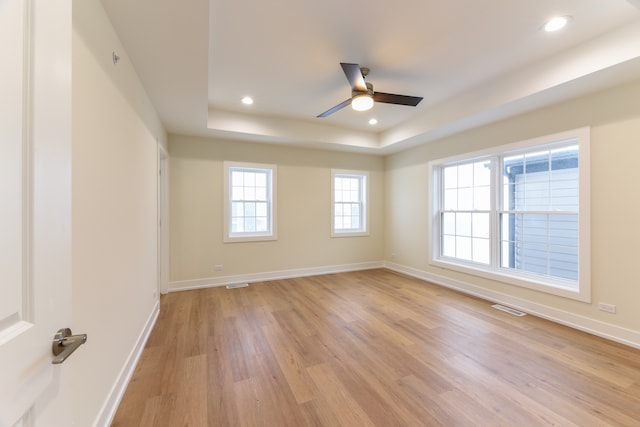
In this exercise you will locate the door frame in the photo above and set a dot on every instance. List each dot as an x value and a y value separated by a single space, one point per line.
163 220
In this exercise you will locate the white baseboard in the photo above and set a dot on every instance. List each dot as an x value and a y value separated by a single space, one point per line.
108 411
602 329
186 285
596 327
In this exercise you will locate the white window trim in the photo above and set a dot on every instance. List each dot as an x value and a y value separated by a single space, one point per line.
228 237
530 281
364 230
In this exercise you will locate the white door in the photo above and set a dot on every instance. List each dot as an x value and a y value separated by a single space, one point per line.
35 210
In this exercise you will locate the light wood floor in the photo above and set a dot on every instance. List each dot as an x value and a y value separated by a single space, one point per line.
371 349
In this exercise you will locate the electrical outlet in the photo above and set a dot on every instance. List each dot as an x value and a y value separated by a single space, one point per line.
217 267
609 308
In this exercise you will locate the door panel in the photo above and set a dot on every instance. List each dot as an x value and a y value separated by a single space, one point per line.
35 195
12 29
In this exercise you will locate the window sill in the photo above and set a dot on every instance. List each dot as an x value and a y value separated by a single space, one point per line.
249 238
560 288
349 233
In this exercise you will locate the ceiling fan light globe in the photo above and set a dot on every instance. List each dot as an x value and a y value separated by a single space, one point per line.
362 102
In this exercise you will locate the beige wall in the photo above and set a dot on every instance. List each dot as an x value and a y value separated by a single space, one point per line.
304 210
399 234
614 116
114 245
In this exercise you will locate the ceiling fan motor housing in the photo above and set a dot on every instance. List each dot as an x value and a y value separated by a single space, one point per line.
369 91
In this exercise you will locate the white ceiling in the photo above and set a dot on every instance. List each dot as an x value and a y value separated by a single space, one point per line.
473 62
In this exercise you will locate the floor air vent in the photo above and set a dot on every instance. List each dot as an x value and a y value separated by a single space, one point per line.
508 310
237 285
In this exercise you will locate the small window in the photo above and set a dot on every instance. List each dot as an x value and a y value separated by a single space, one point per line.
349 210
518 214
249 197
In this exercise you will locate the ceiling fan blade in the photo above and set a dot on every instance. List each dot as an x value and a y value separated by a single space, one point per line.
390 98
354 75
336 108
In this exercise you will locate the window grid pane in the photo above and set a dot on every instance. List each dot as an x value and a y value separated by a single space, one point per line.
349 203
465 218
539 220
250 201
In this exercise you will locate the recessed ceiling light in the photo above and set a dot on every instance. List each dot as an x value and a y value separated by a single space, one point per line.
556 23
373 121
247 100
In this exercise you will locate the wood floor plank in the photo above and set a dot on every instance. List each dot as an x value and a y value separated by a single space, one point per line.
509 403
222 410
191 393
292 366
371 348
340 401
158 410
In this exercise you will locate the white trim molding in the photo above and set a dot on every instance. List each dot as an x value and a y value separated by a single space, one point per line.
595 327
187 285
108 410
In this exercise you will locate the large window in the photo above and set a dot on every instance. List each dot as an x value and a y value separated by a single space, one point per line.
249 202
349 203
518 214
